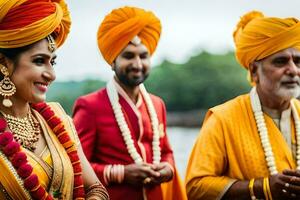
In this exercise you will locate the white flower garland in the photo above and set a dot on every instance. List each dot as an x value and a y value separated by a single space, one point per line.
114 100
263 132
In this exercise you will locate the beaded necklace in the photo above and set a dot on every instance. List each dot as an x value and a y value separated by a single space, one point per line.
117 109
263 131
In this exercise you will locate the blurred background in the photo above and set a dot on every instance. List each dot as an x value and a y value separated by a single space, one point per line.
194 66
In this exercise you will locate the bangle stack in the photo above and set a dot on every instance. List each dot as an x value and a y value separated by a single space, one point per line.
267 190
251 185
113 174
97 192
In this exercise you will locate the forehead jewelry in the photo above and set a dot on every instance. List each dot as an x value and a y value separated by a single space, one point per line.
136 40
51 43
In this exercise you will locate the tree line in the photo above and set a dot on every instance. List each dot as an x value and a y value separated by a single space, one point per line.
205 80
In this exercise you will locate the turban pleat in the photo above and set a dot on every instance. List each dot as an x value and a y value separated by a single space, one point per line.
257 37
32 20
122 25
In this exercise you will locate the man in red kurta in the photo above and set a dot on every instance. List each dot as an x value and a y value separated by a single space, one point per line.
122 128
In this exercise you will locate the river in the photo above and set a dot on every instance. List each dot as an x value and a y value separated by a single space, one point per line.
182 141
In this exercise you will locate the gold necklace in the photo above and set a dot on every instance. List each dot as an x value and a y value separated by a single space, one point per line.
25 130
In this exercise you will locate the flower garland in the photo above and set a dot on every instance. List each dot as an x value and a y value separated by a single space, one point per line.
114 100
18 158
263 132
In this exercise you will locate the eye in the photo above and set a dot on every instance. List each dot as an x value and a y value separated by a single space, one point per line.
144 55
39 61
128 55
53 62
280 61
297 61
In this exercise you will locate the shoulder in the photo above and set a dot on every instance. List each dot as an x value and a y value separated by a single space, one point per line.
230 109
92 97
156 100
65 119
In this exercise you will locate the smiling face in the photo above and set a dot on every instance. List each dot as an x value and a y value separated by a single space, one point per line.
278 76
132 66
32 73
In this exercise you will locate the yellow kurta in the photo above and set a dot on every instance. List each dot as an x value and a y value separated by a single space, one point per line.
228 148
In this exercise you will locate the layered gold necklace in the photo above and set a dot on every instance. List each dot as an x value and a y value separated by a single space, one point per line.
26 130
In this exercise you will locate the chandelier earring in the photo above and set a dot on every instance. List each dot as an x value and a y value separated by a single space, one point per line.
7 87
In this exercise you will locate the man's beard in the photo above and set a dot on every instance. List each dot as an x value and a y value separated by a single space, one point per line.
133 81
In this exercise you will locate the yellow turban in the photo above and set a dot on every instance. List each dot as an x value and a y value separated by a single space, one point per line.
23 22
257 36
122 25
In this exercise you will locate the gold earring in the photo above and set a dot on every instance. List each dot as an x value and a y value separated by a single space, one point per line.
7 88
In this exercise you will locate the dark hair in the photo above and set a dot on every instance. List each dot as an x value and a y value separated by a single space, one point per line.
14 53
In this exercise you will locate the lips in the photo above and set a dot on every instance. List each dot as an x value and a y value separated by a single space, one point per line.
43 87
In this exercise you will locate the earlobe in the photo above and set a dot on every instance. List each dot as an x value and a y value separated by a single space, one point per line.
113 65
253 69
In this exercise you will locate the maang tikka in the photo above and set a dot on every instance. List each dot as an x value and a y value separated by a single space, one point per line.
7 88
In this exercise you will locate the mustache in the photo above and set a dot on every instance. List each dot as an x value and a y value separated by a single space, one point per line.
135 69
286 79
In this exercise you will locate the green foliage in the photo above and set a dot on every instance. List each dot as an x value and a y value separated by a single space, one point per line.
67 92
202 82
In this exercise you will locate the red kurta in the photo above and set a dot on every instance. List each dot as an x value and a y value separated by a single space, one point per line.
103 143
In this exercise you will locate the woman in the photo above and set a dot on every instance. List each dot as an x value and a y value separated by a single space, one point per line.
40 154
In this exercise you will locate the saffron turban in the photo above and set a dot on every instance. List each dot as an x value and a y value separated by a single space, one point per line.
122 25
23 22
257 36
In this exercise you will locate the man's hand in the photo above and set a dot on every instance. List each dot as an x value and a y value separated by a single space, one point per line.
140 174
165 171
286 185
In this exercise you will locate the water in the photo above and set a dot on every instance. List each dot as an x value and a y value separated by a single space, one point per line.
182 141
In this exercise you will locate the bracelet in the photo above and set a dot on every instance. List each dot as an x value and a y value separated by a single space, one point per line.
251 184
268 189
265 188
97 192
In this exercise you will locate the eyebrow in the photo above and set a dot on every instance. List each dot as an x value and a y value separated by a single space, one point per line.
45 55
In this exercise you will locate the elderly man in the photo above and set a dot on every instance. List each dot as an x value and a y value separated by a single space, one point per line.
122 127
249 147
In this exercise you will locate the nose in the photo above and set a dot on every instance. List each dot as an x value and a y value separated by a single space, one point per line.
49 74
137 63
293 69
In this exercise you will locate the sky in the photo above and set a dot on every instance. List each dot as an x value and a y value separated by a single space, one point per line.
188 27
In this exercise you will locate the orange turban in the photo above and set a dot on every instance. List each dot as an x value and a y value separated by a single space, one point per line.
23 22
257 36
122 25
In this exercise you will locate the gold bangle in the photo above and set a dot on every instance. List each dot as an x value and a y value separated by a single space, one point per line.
265 189
251 185
268 189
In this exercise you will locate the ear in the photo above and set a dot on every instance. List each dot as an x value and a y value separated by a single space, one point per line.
113 65
7 63
253 68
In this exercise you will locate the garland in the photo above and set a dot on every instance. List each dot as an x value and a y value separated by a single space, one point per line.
18 158
117 109
263 132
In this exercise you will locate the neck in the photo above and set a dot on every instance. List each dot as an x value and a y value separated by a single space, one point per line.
18 109
273 102
131 91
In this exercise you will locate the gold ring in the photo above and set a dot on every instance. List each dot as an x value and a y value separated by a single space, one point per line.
147 180
286 185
